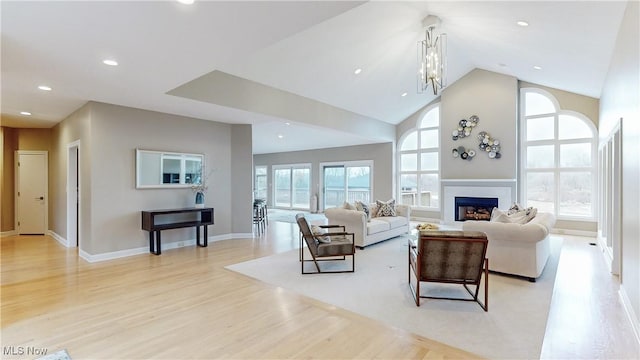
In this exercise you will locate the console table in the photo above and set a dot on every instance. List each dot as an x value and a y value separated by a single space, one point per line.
152 221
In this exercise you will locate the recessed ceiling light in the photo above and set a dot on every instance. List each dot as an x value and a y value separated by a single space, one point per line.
287 123
502 65
522 23
404 94
280 136
186 2
25 113
110 62
537 67
44 88
357 71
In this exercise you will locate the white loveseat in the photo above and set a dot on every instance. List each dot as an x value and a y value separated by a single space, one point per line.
518 249
373 231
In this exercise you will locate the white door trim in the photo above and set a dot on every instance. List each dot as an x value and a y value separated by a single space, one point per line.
73 213
17 186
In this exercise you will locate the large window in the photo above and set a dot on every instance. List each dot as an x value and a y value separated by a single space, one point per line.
419 162
292 186
558 157
346 181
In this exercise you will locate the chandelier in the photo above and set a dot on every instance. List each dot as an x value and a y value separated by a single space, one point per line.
432 57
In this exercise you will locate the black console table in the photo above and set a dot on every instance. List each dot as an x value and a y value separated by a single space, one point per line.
151 223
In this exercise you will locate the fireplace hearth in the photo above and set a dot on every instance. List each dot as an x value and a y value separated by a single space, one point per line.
474 208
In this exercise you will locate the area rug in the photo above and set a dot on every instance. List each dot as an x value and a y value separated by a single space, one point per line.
289 216
58 355
513 328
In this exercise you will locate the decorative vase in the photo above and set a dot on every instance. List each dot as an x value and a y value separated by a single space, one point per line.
199 199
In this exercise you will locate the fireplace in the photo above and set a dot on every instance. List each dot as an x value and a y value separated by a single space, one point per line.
502 189
474 208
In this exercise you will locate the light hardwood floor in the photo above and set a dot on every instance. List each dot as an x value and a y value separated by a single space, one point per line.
184 304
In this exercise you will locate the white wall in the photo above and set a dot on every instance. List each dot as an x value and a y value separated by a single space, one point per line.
620 100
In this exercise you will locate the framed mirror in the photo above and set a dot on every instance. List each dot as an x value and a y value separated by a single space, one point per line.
157 169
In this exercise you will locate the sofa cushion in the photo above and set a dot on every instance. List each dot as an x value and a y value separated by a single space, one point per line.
394 221
387 208
376 225
338 247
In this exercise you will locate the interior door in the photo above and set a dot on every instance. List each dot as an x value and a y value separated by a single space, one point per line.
32 192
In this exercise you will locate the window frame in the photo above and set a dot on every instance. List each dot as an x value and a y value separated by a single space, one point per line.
557 170
291 168
417 129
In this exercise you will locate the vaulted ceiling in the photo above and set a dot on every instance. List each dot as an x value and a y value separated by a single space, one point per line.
260 62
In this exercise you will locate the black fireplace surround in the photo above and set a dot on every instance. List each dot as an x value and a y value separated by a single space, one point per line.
474 208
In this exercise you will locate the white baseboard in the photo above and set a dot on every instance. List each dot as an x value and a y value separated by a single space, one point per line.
58 238
592 234
424 219
145 249
632 316
8 233
244 235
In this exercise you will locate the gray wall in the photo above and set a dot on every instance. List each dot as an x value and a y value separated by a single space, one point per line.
620 100
241 178
76 126
111 205
493 98
381 154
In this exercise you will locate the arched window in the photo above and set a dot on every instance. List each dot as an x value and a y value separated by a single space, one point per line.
419 159
558 157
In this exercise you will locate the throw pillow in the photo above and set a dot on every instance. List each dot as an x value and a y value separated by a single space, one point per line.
386 208
373 209
526 215
519 217
360 206
498 215
320 234
348 206
514 209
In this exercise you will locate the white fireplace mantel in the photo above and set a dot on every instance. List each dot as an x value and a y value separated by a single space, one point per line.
503 189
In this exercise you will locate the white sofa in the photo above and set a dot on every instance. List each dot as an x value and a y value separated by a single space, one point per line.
518 249
373 231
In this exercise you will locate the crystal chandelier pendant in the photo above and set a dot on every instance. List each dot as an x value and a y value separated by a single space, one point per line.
431 60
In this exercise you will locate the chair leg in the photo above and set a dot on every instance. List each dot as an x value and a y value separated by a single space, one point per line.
486 284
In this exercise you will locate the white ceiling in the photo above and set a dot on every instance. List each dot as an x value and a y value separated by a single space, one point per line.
310 49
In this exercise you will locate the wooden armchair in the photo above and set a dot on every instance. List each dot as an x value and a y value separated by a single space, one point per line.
340 246
454 257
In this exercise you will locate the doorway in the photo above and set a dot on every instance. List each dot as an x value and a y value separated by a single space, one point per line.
31 192
610 201
73 194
